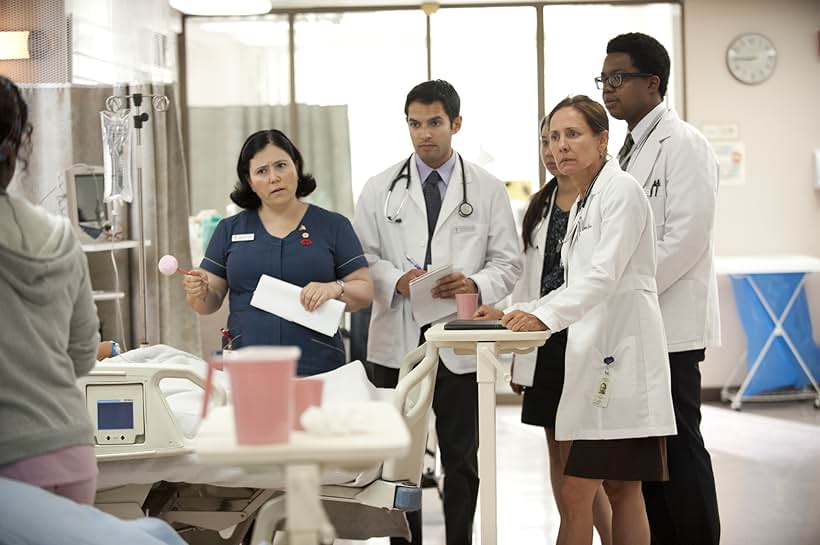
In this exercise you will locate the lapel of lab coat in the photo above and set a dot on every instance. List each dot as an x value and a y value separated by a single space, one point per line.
578 217
416 193
641 167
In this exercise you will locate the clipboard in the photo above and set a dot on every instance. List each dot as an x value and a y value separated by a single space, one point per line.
474 325
426 309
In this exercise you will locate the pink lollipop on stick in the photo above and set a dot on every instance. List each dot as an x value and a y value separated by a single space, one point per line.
168 265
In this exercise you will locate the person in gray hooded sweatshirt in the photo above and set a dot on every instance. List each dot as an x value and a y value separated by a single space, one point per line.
48 331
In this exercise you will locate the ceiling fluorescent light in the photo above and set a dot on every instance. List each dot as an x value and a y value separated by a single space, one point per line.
222 7
14 45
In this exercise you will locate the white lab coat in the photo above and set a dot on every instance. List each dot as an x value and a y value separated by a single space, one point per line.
528 288
679 173
610 304
483 246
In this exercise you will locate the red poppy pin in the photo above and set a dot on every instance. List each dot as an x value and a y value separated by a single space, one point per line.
305 242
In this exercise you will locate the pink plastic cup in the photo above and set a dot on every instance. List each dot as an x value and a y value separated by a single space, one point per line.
262 392
466 305
307 392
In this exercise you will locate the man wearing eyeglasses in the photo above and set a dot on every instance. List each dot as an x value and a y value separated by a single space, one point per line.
679 173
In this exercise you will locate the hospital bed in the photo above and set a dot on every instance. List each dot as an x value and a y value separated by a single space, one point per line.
145 405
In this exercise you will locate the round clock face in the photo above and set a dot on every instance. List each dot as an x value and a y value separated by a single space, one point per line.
751 58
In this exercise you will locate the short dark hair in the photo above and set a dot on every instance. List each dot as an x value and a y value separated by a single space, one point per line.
242 193
436 90
15 129
647 54
593 112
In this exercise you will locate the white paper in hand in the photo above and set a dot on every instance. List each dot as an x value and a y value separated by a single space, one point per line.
282 299
426 309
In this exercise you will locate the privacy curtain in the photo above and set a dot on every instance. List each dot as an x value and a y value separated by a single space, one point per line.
66 120
217 134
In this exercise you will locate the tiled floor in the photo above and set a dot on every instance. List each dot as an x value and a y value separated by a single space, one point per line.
766 460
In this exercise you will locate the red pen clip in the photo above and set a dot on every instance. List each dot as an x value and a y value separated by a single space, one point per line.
226 335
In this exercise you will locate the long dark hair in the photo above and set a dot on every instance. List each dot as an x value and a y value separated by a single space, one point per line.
15 130
535 210
242 193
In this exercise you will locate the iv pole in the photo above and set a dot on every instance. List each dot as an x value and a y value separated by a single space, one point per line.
160 104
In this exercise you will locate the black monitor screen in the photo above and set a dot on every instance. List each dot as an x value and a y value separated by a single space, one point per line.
115 415
90 204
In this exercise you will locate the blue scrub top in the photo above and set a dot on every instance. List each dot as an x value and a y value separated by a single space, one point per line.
241 251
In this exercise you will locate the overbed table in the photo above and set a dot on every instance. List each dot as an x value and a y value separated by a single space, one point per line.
486 344
303 457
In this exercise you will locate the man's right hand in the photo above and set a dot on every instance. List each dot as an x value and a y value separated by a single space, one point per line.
403 285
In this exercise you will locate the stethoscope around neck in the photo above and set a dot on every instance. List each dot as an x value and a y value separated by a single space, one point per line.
465 209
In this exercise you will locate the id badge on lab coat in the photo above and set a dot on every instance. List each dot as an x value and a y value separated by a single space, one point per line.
603 388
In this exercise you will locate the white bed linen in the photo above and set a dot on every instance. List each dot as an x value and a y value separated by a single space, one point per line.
346 384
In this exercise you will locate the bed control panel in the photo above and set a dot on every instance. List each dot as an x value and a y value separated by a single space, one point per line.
117 411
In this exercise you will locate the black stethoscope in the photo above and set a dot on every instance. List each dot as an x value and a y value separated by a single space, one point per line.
465 209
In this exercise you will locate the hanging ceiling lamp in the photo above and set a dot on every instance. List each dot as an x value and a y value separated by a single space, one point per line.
222 7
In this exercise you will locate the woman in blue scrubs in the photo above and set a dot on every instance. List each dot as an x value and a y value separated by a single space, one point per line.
279 235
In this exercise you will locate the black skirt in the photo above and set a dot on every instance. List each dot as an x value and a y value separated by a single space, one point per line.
540 404
639 459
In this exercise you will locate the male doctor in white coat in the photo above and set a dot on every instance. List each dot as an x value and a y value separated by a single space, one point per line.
442 210
679 173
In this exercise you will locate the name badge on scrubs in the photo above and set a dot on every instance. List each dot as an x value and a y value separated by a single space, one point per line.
243 237
603 388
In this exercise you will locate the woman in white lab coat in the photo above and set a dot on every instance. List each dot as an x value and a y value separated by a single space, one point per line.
542 234
616 406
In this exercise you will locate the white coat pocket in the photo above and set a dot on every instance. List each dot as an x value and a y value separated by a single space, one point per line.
656 193
624 363
468 246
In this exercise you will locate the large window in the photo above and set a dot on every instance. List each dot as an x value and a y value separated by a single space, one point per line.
489 56
237 61
575 39
238 82
352 71
366 62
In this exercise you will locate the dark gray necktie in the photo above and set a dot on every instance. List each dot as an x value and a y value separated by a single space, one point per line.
623 155
432 200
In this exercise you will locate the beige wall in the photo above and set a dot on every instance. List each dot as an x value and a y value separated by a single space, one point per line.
777 210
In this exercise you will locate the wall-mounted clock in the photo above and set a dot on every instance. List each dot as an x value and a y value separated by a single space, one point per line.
751 58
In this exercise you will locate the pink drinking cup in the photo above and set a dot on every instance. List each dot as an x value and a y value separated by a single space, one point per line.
262 392
466 305
307 392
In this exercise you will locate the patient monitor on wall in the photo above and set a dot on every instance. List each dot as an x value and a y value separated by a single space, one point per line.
85 202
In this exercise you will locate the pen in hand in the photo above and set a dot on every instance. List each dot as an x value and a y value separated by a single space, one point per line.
413 262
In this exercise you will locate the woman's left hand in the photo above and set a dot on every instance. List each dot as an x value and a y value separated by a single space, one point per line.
522 321
316 293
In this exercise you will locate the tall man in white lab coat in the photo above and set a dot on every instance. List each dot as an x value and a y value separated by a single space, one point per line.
441 210
679 173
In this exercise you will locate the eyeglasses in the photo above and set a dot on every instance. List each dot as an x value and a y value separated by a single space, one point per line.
616 80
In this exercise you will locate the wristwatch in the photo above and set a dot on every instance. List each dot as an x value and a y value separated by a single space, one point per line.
341 285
